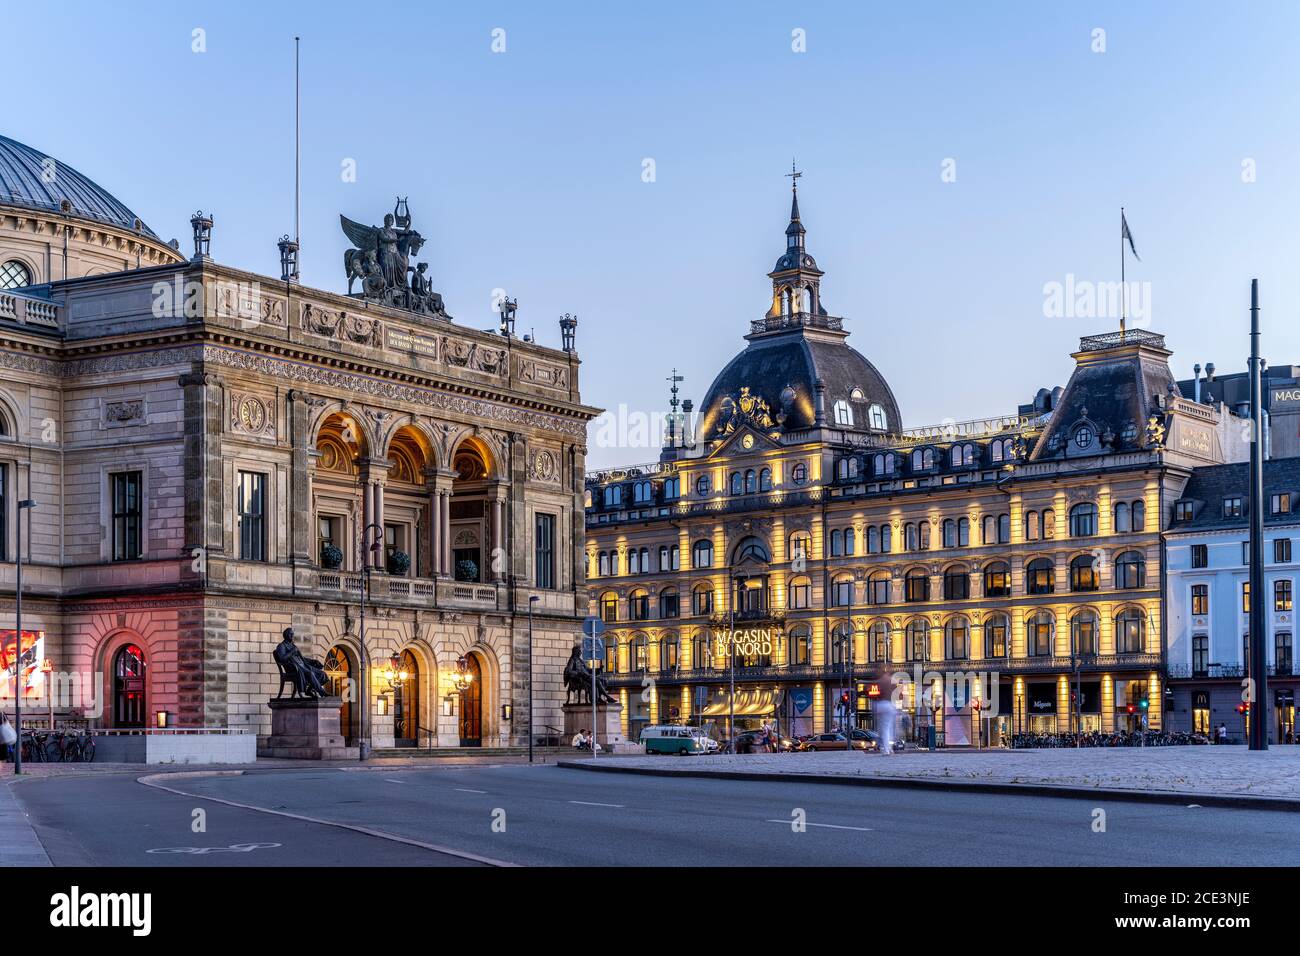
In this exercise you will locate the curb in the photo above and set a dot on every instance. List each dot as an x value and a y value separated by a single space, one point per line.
922 783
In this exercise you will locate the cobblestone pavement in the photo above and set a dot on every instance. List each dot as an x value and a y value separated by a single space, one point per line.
1231 770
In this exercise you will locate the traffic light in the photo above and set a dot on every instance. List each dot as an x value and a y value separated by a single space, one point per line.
844 698
1242 708
1131 708
1144 703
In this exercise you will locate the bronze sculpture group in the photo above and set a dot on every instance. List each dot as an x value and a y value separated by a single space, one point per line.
578 681
381 262
306 674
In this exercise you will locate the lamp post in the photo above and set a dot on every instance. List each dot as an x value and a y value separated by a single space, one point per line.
1257 665
533 599
363 728
731 661
25 504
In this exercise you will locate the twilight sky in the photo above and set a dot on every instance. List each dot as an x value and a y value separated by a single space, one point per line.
525 168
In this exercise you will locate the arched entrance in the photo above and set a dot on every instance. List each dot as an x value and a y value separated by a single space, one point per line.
340 681
471 705
406 702
128 687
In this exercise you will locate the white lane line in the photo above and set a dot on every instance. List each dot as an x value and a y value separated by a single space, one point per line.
151 780
392 780
464 790
587 803
827 826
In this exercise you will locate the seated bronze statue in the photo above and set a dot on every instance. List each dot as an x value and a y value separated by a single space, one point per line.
306 674
578 680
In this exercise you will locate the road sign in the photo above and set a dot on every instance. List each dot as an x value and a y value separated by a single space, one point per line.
593 648
593 626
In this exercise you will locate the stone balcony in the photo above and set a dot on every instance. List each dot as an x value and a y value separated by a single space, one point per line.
27 309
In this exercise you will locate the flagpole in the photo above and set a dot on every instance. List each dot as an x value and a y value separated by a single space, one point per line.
297 156
1123 286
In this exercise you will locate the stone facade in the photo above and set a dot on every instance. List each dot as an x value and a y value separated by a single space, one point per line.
225 416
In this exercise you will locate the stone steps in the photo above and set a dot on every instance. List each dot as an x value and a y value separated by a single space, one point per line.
434 753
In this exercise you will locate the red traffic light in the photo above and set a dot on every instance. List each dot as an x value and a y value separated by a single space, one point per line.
1130 708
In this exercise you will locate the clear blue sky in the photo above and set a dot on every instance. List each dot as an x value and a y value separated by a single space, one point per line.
524 168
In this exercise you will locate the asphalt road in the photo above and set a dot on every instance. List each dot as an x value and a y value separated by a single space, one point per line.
545 815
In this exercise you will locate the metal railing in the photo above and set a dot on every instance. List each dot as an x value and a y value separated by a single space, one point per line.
1110 340
1226 670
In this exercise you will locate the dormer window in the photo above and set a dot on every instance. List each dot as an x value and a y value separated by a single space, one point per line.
1083 436
843 414
876 418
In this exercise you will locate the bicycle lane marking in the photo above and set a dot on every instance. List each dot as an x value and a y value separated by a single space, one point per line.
152 782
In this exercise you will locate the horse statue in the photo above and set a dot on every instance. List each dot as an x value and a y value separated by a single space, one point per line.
578 680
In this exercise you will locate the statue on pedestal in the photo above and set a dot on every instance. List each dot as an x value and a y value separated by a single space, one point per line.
578 680
305 674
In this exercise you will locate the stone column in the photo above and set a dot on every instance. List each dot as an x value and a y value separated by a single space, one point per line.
301 528
434 525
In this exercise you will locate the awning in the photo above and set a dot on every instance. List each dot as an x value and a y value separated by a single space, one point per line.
749 703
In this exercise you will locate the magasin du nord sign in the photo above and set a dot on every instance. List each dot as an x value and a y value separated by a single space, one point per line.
747 642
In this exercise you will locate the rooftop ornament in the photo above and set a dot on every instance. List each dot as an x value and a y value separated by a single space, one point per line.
202 226
568 330
288 259
382 261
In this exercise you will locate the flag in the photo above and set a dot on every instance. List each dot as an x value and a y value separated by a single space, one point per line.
1125 234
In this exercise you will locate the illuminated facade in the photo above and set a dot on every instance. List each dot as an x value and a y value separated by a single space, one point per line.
799 523
207 449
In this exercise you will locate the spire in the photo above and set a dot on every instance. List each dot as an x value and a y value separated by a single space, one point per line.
795 231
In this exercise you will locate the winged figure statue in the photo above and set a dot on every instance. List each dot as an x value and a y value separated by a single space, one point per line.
381 260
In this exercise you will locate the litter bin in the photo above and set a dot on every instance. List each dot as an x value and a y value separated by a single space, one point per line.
931 737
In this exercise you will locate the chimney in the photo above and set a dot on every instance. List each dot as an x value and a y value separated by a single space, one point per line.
1196 370
820 388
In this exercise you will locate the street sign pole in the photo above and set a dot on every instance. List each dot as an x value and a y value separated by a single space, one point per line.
593 650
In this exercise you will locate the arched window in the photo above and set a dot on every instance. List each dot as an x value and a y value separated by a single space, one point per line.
850 542
639 653
989 530
877 419
997 579
603 563
1083 573
800 651
949 531
129 687
1122 519
956 584
1083 520
751 548
886 539
609 607
917 645
702 599
751 482
668 653
641 492
878 588
1083 634
702 652
1040 576
669 558
702 485
801 546
702 554
956 639
799 596
669 605
737 483
1004 529
1049 523
963 532
916 586
765 480
842 590
995 450
1040 633
873 539
1139 515
1130 570
925 535
837 543
799 473
1033 529
997 631
838 651
1130 632
878 643
638 605
672 488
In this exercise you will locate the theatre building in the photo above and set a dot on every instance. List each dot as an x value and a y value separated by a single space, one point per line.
213 455
796 537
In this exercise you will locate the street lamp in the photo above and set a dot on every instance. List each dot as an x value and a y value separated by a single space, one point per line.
533 599
976 725
462 676
25 505
739 582
363 743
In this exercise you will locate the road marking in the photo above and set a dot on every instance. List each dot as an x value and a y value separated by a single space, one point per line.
151 781
233 848
465 790
587 803
392 780
827 826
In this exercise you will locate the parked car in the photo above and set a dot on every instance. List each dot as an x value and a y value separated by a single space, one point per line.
672 739
836 741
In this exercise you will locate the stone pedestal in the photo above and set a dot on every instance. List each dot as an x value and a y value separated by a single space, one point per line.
306 730
609 727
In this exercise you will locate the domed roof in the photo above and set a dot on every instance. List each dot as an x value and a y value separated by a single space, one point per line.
783 370
23 182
